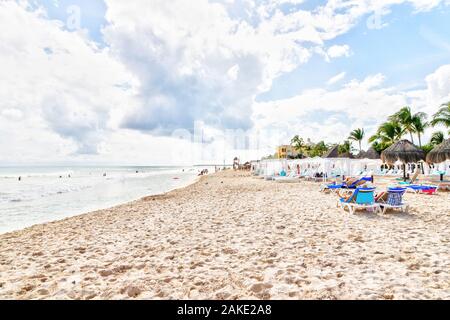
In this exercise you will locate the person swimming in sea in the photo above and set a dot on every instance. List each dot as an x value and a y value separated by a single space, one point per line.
20 179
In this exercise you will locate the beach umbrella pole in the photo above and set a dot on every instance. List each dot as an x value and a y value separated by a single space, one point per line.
404 172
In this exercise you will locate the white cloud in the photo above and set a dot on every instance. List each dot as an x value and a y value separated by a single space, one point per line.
336 78
12 114
438 84
372 81
356 100
330 114
337 51
233 72
169 63
187 62
55 79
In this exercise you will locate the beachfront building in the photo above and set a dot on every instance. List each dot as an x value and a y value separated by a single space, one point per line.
285 152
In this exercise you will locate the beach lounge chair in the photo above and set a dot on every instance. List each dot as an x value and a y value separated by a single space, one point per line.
291 177
304 173
353 185
412 180
393 199
430 190
361 198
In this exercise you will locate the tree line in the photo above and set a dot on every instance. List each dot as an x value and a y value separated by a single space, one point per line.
402 123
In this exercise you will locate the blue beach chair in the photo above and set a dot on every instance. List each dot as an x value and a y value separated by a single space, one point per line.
361 198
354 185
394 200
430 190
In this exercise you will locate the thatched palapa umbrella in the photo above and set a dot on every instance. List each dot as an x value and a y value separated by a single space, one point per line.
439 154
372 154
332 153
403 151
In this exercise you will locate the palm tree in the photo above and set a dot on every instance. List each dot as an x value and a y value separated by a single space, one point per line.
345 148
442 116
318 149
406 119
419 124
437 138
298 144
388 133
357 135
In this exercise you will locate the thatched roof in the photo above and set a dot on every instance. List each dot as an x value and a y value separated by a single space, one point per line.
346 155
369 154
440 153
403 151
332 153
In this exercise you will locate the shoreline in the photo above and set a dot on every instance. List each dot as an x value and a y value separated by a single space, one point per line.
229 236
107 207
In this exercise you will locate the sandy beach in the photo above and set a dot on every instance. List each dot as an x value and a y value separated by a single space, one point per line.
231 236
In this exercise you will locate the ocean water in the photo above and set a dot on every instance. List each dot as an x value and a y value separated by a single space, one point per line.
47 194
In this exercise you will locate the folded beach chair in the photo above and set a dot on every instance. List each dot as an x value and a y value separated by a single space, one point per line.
412 180
393 199
430 190
361 198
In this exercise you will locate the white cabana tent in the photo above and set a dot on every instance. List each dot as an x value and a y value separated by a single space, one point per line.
326 167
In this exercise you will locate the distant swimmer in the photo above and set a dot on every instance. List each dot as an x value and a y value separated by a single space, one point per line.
20 179
104 174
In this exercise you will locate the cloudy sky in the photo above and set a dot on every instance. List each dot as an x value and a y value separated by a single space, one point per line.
144 82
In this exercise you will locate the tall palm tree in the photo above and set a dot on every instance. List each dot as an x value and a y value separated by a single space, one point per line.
405 118
387 134
442 116
318 149
357 135
437 138
419 124
345 148
298 144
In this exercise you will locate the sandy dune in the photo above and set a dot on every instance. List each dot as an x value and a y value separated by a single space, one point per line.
231 236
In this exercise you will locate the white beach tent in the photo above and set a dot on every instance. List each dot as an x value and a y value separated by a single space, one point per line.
329 167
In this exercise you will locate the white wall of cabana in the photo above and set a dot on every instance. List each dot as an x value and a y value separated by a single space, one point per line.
438 168
328 167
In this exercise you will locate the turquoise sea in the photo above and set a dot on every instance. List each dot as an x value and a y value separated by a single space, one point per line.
33 195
